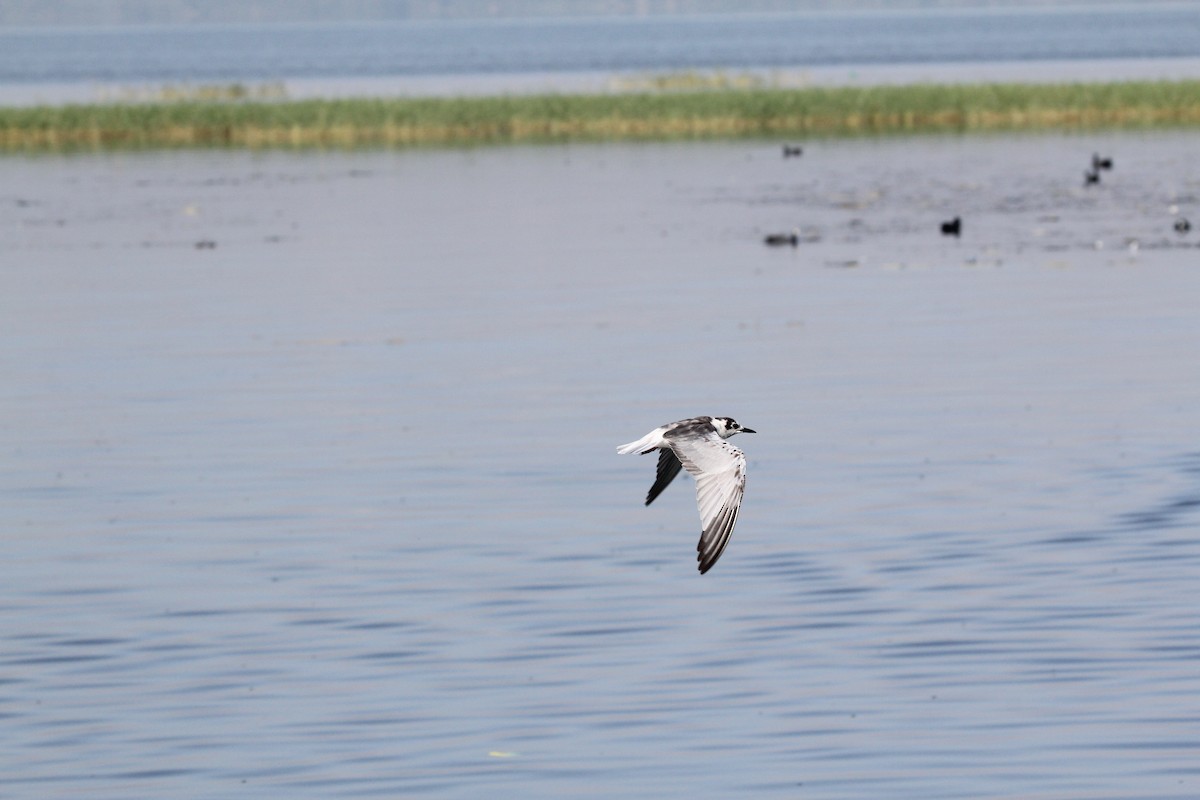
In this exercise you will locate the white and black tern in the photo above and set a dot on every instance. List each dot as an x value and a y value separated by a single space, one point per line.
698 445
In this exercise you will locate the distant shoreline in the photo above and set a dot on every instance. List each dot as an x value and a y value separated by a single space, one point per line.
705 113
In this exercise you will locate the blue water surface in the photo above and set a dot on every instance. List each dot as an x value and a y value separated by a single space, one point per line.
420 48
330 505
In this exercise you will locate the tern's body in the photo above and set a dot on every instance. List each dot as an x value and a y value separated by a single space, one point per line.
699 445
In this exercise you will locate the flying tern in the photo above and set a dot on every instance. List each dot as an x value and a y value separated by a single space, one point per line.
699 445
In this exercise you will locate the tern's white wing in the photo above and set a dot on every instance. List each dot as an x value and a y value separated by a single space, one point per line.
720 472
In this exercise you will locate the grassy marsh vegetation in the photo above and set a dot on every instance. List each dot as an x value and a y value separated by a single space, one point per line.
403 122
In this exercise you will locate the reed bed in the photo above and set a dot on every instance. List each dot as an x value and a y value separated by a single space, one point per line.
643 116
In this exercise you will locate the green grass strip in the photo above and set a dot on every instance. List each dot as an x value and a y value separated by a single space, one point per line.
406 122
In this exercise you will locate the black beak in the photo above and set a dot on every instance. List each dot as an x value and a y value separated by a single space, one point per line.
748 430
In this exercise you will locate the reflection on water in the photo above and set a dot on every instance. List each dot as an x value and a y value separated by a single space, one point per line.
331 507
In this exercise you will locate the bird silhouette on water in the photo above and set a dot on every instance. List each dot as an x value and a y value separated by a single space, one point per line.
792 151
1182 226
782 239
953 227
1092 177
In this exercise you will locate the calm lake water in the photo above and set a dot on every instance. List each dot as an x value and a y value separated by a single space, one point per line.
329 505
245 52
1078 42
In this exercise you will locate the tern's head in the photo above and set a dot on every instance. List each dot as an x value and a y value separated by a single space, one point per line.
727 426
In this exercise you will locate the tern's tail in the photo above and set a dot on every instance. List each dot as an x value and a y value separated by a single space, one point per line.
651 441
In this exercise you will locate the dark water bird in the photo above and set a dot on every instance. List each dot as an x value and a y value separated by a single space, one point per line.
206 244
1099 163
1091 178
792 151
1182 226
782 239
953 227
